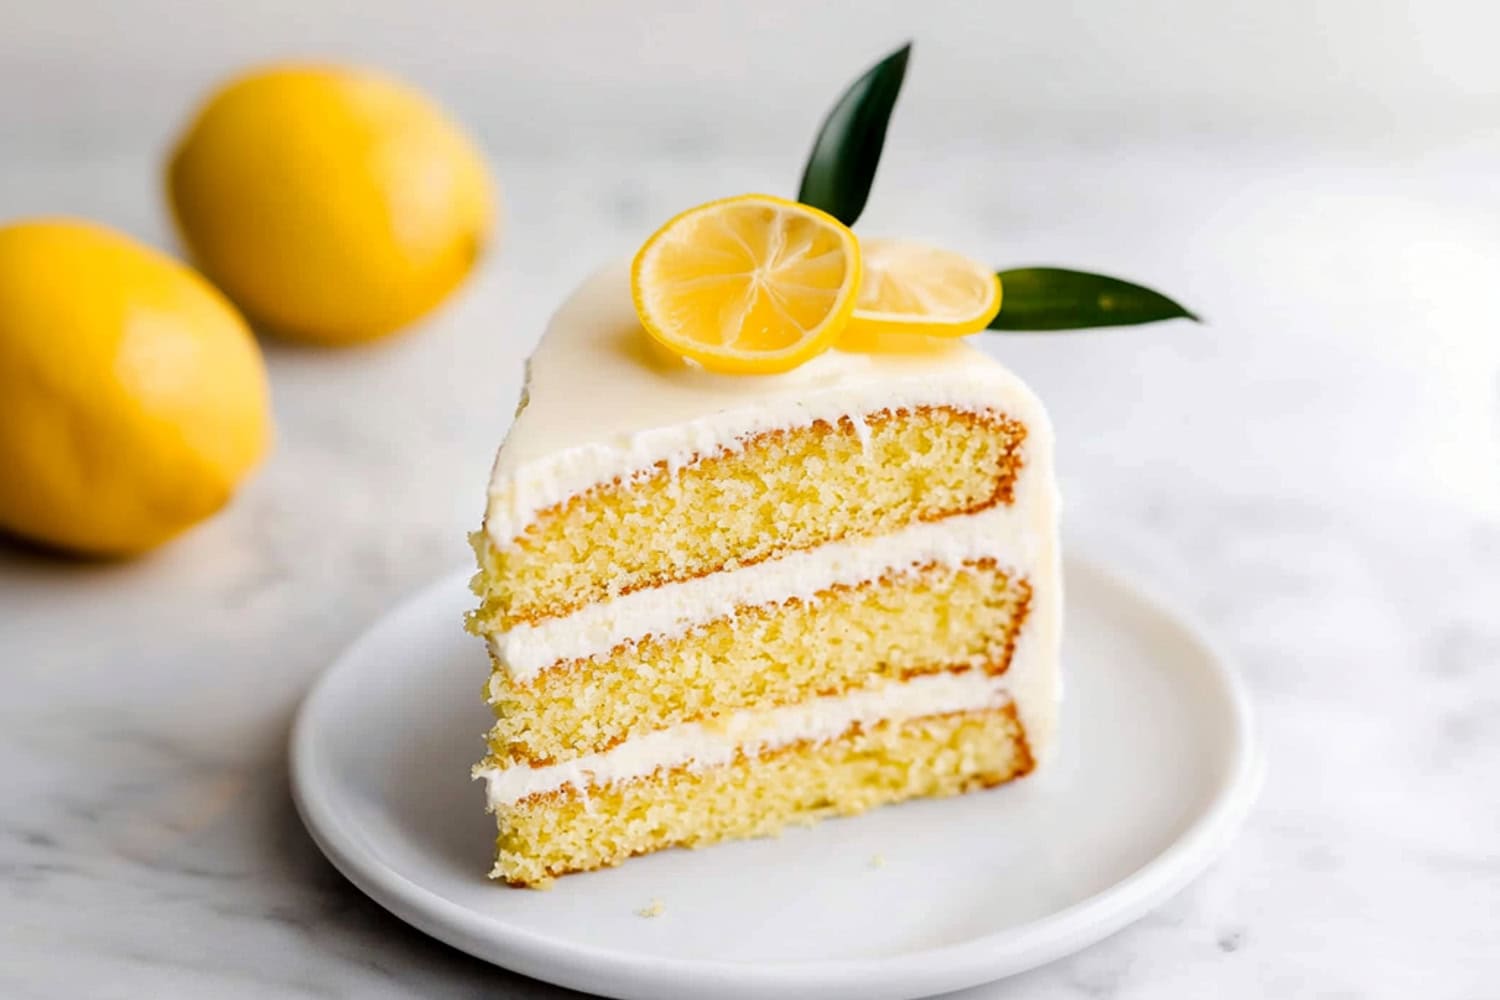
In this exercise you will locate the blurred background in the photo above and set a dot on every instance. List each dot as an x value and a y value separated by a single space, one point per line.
1315 471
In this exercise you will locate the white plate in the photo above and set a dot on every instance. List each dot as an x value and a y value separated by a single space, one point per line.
1157 768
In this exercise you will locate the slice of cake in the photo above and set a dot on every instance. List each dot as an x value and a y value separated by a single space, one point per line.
717 604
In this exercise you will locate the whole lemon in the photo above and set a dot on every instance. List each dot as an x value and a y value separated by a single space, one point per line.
333 204
132 394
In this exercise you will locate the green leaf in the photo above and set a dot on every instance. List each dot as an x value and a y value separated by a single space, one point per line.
1052 298
842 164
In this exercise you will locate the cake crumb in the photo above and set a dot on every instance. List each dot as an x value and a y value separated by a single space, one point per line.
654 910
877 861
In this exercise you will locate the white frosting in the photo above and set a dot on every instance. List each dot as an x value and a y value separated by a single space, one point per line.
602 400
703 745
1009 535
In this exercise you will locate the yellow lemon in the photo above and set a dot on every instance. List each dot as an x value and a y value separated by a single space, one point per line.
753 284
333 204
913 288
132 394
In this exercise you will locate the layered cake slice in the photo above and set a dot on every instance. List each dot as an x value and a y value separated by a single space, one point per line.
717 604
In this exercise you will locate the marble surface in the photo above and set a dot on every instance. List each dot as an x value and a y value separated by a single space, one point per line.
1315 473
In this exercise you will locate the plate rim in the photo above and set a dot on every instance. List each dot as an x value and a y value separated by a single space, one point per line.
618 973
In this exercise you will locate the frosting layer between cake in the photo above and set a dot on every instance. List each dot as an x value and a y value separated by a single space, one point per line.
1013 536
700 745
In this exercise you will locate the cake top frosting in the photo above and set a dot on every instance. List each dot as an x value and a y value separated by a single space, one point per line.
602 399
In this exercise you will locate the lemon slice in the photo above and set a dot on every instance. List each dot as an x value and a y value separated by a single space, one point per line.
753 284
911 288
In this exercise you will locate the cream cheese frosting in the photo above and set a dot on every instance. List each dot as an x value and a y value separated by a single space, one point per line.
1008 535
701 745
646 405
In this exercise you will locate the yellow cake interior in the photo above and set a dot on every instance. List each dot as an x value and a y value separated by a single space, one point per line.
781 490
784 491
918 621
717 605
572 830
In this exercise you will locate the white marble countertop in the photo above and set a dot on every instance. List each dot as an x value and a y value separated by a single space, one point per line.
1315 473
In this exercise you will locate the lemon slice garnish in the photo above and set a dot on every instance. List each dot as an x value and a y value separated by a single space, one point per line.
752 284
912 288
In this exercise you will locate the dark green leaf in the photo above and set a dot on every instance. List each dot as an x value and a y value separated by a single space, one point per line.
842 164
1052 298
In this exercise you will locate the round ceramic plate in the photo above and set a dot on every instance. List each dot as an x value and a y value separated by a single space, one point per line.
1156 769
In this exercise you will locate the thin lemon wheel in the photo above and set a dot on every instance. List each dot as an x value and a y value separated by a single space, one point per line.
752 284
913 288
